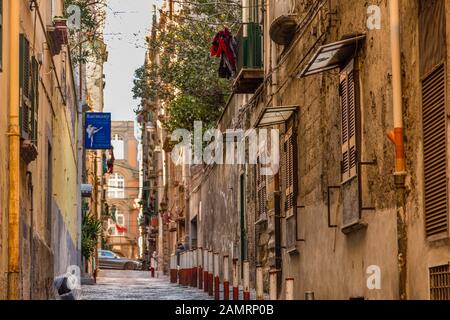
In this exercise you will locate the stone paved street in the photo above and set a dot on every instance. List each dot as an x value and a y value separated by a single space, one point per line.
137 285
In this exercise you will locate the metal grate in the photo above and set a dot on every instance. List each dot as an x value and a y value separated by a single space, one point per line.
435 152
440 282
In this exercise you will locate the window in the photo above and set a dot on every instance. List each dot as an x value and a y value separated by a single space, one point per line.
106 254
435 152
261 189
440 282
290 187
29 91
349 100
349 96
433 54
53 9
290 171
114 226
118 145
1 34
116 186
120 219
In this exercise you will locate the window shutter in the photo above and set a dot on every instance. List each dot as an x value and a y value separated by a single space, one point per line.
290 159
34 98
24 79
435 151
261 190
349 115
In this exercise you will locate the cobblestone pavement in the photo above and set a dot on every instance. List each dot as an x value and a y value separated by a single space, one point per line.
137 285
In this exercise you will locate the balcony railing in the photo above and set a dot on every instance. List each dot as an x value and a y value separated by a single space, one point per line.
250 73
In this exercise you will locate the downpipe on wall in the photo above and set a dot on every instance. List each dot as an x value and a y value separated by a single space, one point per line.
14 155
396 136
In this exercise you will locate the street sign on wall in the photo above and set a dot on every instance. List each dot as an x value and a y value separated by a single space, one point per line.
97 130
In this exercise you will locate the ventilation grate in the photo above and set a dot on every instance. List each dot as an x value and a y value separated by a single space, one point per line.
440 282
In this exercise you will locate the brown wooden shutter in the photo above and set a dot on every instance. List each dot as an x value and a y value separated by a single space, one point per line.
261 190
349 116
290 164
435 151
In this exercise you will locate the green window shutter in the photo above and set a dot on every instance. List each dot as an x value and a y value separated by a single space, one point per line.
24 79
34 98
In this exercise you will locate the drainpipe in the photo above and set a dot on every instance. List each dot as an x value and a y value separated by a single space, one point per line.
14 154
397 138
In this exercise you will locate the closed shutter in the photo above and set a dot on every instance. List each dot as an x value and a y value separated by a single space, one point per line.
34 98
349 116
290 173
25 92
290 183
435 151
261 190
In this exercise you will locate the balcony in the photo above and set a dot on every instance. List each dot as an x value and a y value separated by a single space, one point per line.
58 35
283 27
250 72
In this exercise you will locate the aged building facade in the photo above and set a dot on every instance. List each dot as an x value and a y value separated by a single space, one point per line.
122 191
94 166
355 93
40 208
352 103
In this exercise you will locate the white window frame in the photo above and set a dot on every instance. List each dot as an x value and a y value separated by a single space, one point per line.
119 152
116 186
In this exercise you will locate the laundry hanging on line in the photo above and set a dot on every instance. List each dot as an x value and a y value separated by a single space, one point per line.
224 46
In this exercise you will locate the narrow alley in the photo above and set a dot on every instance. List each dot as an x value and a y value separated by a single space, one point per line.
227 150
138 285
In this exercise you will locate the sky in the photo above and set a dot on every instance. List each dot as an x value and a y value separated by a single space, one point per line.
127 24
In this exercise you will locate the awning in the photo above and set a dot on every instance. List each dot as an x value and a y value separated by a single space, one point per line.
332 55
275 115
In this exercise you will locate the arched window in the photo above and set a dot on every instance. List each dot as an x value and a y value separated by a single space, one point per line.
116 186
118 145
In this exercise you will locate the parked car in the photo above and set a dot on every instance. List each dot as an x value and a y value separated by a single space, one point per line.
111 260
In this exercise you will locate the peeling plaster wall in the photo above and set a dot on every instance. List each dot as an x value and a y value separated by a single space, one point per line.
44 250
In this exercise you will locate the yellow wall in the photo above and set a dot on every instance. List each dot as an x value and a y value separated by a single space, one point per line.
55 127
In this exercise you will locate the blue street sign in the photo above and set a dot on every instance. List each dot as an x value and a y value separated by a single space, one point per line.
97 130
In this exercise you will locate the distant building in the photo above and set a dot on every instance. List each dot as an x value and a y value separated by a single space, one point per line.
122 192
344 206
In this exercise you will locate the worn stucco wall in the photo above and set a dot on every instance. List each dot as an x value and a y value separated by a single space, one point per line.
40 258
331 264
